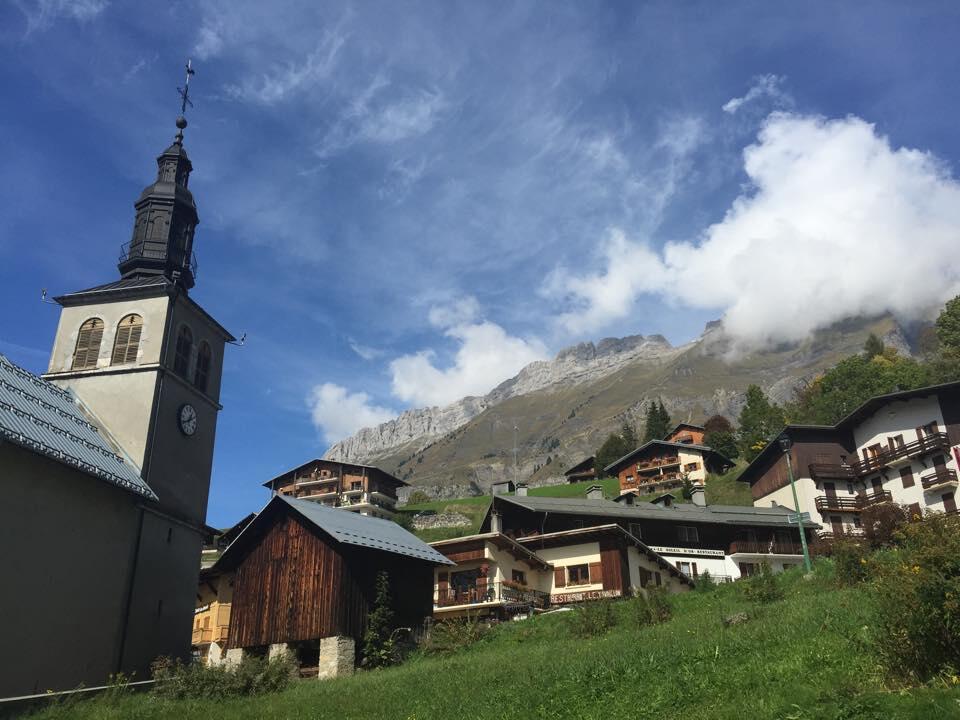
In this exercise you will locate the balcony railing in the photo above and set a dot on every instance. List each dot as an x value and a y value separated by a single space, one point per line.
923 446
159 250
829 471
851 504
218 634
657 464
940 478
497 592
760 547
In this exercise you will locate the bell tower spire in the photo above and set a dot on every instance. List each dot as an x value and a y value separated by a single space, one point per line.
166 215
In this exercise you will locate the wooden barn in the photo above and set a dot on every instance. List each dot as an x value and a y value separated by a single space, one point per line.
304 579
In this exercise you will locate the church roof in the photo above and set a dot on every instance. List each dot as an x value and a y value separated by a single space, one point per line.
47 420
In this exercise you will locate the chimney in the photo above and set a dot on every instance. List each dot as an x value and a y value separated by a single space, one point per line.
698 496
521 489
595 492
496 525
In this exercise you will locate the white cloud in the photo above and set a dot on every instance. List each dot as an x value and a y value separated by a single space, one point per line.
836 224
282 81
769 86
364 351
338 413
486 356
41 14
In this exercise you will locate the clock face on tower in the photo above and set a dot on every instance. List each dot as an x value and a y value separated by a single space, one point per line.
187 419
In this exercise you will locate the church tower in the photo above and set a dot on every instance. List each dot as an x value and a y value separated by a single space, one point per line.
144 361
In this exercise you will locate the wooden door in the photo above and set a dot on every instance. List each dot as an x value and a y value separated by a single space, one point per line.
830 489
940 463
836 523
877 486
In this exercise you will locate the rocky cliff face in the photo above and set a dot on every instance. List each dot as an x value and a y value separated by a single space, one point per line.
582 363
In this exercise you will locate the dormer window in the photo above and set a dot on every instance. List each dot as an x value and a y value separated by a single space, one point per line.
88 344
201 376
181 362
127 342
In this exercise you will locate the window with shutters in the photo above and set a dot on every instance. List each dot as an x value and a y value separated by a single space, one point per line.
578 575
127 342
518 576
687 533
181 362
202 374
906 477
88 344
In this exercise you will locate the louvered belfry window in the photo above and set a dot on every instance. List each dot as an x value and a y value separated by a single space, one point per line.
127 342
88 344
181 363
202 374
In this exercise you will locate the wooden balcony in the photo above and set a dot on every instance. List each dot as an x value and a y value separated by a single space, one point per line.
655 465
942 479
829 471
936 442
218 634
828 503
491 593
761 547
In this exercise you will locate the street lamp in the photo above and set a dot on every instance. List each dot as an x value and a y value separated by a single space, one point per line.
785 444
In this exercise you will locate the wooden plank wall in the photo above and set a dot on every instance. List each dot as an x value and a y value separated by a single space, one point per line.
292 586
612 557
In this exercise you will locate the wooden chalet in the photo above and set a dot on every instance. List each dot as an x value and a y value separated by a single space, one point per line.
687 434
661 465
362 489
304 578
582 471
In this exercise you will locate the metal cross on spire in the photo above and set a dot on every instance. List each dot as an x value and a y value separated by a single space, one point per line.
185 90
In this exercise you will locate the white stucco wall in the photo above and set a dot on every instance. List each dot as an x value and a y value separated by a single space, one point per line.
580 554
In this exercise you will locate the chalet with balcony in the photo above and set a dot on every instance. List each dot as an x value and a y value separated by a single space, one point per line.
903 447
501 577
728 541
687 434
363 489
211 618
582 471
662 465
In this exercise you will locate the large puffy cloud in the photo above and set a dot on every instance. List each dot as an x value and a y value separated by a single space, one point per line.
486 355
835 223
337 413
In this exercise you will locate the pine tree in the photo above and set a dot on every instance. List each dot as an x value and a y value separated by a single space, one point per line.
760 422
872 347
379 647
658 422
629 436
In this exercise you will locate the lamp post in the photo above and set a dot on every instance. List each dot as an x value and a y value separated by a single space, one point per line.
785 444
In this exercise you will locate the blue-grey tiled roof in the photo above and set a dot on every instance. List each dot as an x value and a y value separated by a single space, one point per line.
46 419
356 529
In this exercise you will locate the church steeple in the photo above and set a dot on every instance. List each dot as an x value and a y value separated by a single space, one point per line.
166 217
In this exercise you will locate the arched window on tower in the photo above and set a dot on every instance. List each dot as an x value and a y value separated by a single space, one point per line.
88 344
202 374
181 363
127 342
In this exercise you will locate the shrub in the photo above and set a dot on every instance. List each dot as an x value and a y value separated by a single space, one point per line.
763 586
652 608
379 641
593 618
252 676
918 594
882 522
850 560
705 583
453 635
418 497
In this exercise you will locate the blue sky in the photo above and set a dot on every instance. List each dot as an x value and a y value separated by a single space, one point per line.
403 203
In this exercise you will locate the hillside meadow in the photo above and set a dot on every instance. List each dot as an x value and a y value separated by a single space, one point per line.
808 655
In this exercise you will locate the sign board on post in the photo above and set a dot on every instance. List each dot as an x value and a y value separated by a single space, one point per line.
795 518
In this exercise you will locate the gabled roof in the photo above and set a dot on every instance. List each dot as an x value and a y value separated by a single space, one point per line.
501 541
685 425
48 420
388 476
582 466
682 513
706 450
862 412
345 527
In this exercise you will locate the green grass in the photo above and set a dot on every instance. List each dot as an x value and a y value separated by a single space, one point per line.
805 657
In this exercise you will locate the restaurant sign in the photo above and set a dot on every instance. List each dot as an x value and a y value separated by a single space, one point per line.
701 552
575 597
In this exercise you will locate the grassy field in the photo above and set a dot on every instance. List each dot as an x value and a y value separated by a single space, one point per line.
804 657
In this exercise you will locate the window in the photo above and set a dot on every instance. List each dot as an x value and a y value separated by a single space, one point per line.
895 442
127 341
856 521
636 531
691 467
688 568
356 485
850 488
201 375
181 363
578 575
687 533
658 578
906 477
88 344
518 576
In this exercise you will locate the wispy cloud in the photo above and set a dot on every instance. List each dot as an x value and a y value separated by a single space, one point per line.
764 86
41 14
364 351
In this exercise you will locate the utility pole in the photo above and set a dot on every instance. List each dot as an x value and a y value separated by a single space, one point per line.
785 444
515 429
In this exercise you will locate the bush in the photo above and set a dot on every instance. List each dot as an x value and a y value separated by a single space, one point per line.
882 522
379 639
705 583
763 587
453 635
652 608
851 565
918 594
418 497
593 618
252 676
